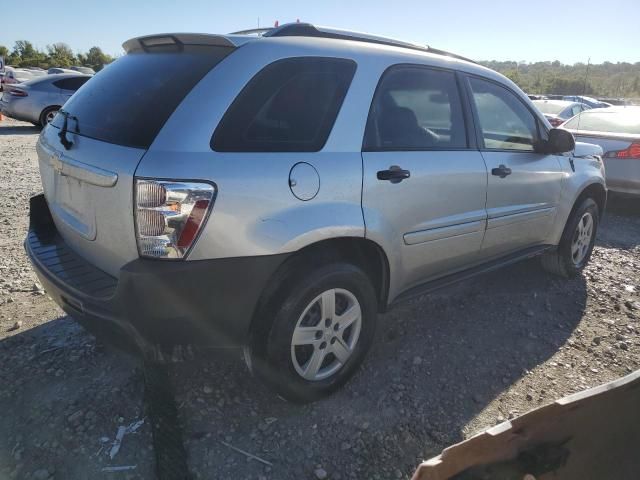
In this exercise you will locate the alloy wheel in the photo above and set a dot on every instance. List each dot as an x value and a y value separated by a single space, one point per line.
326 334
49 116
582 239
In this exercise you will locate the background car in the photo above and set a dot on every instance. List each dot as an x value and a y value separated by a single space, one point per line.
54 70
38 100
559 111
617 131
591 102
13 76
85 70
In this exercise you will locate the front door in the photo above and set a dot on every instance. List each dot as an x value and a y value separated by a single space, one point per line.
523 186
424 188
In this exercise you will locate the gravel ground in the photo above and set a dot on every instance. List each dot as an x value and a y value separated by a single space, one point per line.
444 367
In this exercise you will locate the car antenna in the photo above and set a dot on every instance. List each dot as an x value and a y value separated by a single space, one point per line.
584 91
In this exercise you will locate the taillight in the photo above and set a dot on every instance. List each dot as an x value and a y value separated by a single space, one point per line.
18 93
632 152
170 215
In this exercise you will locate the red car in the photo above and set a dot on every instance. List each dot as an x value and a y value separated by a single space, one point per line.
13 76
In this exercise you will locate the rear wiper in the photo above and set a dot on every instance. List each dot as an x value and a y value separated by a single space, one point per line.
66 143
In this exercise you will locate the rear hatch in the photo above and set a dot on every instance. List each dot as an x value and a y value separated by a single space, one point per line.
110 123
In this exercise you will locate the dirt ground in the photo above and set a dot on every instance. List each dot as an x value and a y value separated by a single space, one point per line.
444 367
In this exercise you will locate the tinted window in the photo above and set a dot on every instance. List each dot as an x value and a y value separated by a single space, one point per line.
129 101
73 83
416 109
626 121
289 106
505 122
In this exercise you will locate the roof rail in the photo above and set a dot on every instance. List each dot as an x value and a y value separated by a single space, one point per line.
252 31
308 30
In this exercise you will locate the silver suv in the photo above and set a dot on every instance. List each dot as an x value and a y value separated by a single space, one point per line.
277 191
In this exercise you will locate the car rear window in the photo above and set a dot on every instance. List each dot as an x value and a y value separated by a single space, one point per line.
625 121
289 106
73 83
128 102
550 108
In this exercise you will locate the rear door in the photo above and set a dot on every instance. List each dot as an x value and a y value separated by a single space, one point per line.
424 187
110 123
523 186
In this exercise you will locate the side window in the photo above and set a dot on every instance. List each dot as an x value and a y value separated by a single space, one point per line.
505 123
289 106
415 108
576 109
72 84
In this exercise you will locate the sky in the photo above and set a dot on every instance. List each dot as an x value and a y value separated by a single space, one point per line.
573 31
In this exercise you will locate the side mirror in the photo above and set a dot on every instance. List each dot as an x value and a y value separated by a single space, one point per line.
560 141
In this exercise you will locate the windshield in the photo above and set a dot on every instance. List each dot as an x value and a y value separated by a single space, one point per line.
129 102
550 108
619 121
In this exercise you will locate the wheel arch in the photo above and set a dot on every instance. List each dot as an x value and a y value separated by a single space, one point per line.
595 190
362 252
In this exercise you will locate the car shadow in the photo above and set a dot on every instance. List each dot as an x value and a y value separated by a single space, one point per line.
62 400
623 205
620 227
19 130
438 362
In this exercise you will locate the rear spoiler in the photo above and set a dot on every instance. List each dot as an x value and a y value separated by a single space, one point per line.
148 42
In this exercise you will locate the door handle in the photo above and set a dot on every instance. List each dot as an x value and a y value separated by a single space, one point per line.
395 174
502 171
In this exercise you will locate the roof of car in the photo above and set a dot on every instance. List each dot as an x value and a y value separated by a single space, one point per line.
287 30
560 103
333 41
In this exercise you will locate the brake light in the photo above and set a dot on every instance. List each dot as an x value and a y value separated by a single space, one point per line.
170 215
633 151
18 93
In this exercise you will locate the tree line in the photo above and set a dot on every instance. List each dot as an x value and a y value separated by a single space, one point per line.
607 79
24 54
612 80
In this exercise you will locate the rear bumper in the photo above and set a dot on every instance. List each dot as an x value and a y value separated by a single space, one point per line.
8 109
153 303
623 176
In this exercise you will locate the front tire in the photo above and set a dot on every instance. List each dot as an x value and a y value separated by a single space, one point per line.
317 335
577 242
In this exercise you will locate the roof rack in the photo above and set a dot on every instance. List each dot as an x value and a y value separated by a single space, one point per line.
308 30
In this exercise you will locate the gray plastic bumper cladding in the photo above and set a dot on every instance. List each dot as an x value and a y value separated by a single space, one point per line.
153 303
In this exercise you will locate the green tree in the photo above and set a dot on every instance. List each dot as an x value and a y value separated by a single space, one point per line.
24 54
4 51
95 58
61 55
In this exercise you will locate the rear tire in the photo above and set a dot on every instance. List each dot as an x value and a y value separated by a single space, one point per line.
576 245
300 349
47 115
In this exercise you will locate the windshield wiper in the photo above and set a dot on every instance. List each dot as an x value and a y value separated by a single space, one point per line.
66 143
